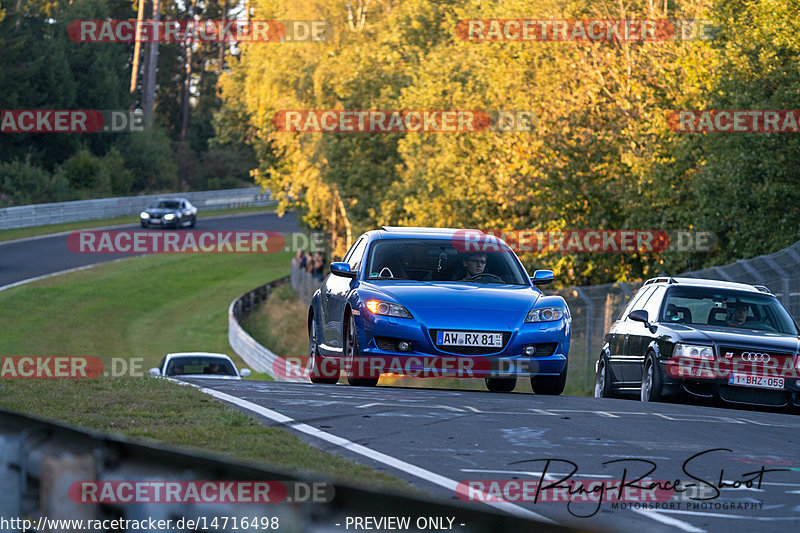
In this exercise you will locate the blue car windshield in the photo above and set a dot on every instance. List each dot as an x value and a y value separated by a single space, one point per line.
729 309
443 260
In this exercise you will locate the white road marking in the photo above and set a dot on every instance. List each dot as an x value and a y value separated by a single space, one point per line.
53 274
388 460
607 414
674 522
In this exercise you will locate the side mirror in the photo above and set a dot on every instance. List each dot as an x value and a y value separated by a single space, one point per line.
155 372
542 277
244 372
343 269
640 315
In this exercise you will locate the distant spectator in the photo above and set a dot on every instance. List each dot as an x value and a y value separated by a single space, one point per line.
309 263
319 266
299 259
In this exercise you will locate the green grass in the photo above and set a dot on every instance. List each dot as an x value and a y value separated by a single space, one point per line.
141 307
157 410
22 233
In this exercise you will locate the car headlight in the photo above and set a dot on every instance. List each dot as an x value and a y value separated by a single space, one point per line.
169 216
144 214
694 351
377 307
545 314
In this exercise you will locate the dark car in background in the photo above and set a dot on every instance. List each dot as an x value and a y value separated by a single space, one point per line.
702 338
169 212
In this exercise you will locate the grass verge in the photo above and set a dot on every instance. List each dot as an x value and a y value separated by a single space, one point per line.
161 411
35 231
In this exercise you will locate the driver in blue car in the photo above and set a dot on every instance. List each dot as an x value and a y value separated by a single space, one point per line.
475 264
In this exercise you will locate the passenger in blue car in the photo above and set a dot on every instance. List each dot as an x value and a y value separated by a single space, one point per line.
475 264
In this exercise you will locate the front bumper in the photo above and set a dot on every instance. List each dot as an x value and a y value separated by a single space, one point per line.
426 359
713 379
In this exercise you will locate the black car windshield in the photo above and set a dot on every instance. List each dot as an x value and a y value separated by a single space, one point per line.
166 204
730 309
179 366
442 260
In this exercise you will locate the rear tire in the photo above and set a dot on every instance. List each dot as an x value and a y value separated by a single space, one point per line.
315 373
501 384
353 358
549 385
651 382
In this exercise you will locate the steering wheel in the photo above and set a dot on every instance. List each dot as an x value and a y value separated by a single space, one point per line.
489 274
386 269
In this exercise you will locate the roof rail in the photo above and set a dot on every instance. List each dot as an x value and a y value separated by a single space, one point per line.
411 229
662 279
763 288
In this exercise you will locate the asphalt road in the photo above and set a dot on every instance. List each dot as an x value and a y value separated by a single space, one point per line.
28 258
474 435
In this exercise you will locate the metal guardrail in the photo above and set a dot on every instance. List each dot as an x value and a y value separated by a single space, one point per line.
24 216
40 460
254 354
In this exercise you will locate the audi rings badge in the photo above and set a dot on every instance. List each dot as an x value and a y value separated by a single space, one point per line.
755 357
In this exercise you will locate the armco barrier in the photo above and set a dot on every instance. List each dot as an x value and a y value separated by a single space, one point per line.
24 216
40 460
256 356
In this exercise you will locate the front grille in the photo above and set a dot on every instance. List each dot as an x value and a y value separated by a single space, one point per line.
753 396
735 355
471 350
543 350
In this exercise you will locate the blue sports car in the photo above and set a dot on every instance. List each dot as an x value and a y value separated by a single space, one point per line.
437 302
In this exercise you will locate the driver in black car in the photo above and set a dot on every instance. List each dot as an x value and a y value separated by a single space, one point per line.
475 264
739 315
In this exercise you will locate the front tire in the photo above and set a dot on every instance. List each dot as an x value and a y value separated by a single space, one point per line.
549 385
603 386
353 358
651 382
501 384
315 374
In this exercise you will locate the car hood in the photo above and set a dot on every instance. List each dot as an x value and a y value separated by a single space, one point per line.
461 305
723 336
205 376
159 211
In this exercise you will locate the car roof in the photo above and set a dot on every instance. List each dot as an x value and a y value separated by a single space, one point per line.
198 354
710 283
172 200
404 232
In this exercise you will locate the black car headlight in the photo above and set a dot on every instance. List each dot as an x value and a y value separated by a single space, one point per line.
144 214
169 216
694 351
545 314
378 307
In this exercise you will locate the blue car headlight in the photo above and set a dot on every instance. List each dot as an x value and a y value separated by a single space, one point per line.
545 314
378 307
169 216
144 214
